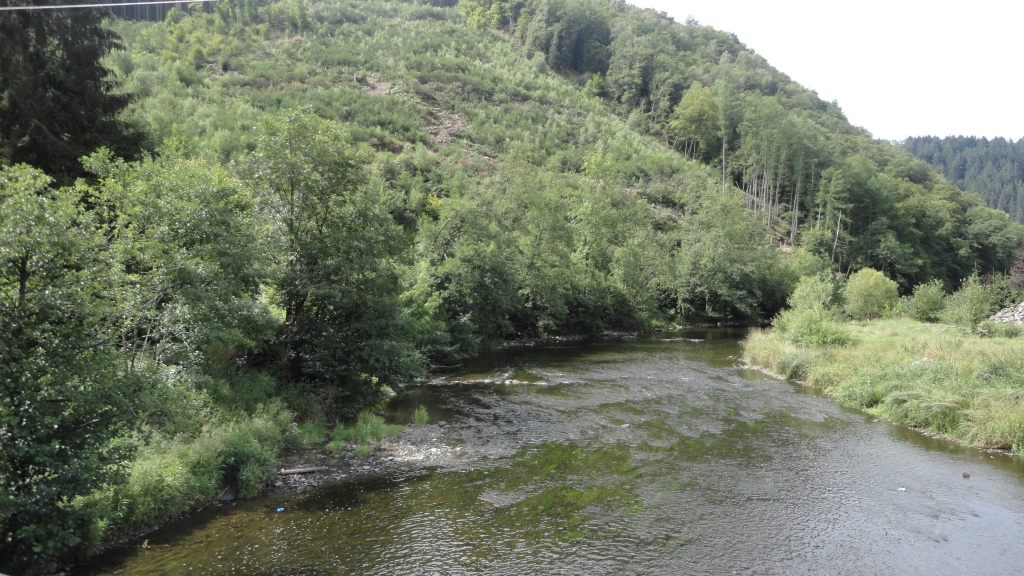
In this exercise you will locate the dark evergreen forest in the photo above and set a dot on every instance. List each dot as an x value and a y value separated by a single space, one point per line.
992 169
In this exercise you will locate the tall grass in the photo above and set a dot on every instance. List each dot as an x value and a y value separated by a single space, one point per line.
368 431
420 417
946 380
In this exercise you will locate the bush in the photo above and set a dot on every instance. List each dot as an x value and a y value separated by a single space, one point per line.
1000 330
970 305
312 433
927 303
869 293
804 327
171 477
811 319
369 430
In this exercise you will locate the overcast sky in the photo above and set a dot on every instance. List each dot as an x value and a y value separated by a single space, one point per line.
897 67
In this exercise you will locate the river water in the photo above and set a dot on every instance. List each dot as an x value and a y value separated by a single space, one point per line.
654 456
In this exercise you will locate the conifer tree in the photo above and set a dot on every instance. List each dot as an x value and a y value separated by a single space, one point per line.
58 102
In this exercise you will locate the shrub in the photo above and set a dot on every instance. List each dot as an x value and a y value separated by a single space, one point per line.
811 319
420 416
869 293
927 303
1000 330
817 293
970 305
312 433
804 327
170 477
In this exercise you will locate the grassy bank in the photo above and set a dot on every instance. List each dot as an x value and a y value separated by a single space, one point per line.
171 477
945 380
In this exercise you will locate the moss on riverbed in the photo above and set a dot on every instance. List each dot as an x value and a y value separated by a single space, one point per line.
944 380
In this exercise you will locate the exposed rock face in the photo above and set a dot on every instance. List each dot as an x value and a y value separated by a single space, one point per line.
1011 315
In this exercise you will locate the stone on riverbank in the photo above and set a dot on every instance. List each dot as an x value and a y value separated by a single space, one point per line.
1011 315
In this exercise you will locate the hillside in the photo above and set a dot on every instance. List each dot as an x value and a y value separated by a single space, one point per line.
544 85
992 169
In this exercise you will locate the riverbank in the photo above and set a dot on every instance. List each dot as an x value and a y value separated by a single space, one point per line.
942 380
416 447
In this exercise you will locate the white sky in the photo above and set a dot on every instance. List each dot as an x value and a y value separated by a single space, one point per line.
897 67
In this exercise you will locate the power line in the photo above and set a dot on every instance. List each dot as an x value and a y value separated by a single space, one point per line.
105 5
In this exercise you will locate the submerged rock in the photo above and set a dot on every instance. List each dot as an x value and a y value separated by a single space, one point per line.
230 494
1011 315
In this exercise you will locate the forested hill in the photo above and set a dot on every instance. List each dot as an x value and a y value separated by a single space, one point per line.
586 91
992 169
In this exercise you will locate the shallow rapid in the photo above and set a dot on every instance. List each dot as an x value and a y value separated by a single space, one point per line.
656 456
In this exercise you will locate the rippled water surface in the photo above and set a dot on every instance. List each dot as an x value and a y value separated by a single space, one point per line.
657 456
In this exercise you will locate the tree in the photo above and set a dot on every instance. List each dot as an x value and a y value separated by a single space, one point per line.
869 293
57 100
344 330
695 122
64 392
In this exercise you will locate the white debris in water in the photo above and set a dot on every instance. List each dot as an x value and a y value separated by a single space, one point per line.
411 453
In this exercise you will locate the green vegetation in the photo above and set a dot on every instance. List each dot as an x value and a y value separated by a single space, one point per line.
56 97
951 382
869 294
173 475
420 416
992 169
955 379
813 317
368 432
338 193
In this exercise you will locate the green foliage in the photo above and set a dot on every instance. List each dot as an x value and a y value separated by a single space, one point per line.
869 294
993 169
368 431
970 305
344 189
1002 330
927 302
344 330
58 102
812 319
420 416
954 382
66 392
696 121
171 476
312 433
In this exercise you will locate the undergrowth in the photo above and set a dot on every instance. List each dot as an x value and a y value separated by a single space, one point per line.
368 432
172 476
966 385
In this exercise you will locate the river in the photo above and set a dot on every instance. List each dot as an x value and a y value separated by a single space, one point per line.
653 456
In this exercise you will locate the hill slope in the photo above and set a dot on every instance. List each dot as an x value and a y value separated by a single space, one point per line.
545 91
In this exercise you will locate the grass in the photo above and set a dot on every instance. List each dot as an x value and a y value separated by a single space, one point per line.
966 386
368 432
420 416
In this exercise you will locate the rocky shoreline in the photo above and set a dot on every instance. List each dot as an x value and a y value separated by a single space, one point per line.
1011 315
418 447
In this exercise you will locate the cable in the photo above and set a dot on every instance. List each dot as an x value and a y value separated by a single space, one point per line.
105 5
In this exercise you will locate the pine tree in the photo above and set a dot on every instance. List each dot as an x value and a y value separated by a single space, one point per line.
58 102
